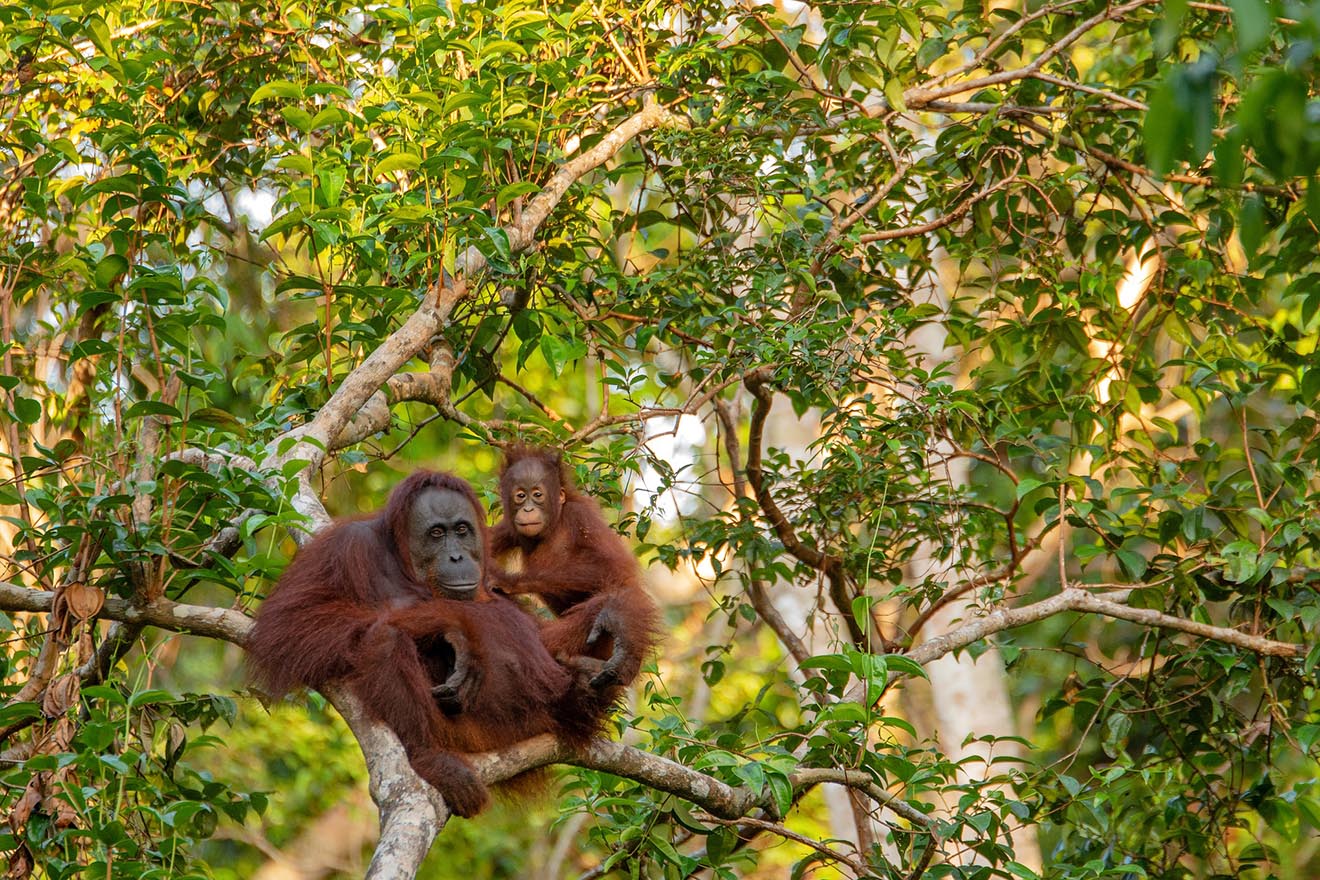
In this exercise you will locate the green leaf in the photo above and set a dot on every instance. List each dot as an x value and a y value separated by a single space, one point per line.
899 664
1026 486
149 697
1229 159
894 94
1133 563
1252 23
110 269
99 34
398 162
1162 127
781 791
514 190
499 240
27 410
217 419
151 408
1252 223
277 89
16 712
297 117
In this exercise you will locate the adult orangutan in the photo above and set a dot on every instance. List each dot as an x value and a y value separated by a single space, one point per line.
396 605
576 564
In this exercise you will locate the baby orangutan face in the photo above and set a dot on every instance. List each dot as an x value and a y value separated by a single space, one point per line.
532 497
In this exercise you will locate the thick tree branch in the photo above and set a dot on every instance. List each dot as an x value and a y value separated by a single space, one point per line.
233 626
412 813
662 774
653 115
199 620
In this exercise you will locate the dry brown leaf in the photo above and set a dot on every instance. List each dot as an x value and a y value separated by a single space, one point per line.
85 647
61 621
56 805
20 864
24 806
84 602
60 738
62 693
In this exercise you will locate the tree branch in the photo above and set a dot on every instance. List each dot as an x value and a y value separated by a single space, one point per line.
1109 605
199 620
827 564
919 96
756 591
376 370
412 813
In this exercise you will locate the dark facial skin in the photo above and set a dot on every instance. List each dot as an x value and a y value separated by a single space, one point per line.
444 543
533 496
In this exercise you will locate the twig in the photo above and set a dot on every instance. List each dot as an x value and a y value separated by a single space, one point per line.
920 96
775 828
827 564
862 782
755 587
938 222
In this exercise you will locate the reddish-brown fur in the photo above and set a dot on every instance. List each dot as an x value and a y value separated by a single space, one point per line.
580 568
348 608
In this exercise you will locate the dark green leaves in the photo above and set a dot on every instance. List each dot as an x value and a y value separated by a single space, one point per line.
1183 111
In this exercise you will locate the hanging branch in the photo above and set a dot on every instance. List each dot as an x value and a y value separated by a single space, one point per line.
842 591
756 591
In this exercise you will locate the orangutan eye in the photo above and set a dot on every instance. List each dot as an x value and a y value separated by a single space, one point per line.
462 529
437 532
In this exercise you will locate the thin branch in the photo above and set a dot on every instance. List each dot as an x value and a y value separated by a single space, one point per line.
1225 10
1074 598
775 828
1114 162
1090 90
862 782
994 45
840 227
690 407
756 592
922 96
938 222
530 398
828 564
669 328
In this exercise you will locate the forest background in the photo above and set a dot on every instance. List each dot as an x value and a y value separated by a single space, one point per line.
951 368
